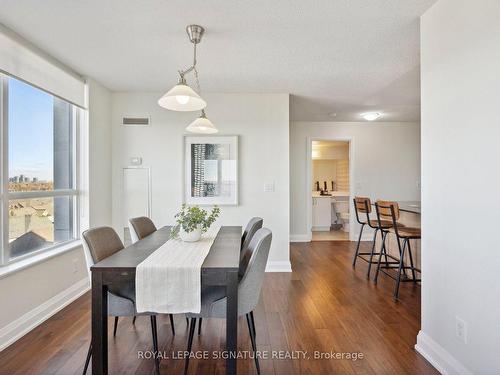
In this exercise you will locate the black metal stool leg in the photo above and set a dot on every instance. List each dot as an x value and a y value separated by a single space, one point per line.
154 332
254 346
192 326
89 354
199 326
411 263
133 320
357 246
382 252
371 254
398 278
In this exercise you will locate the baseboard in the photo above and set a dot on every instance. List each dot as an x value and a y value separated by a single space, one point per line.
21 326
300 237
279 266
443 361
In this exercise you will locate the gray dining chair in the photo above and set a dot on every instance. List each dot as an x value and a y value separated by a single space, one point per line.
141 227
213 300
100 243
252 227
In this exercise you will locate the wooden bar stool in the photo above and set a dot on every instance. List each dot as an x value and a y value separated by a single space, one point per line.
387 209
362 205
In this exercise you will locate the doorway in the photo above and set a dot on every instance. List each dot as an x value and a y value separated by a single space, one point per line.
329 189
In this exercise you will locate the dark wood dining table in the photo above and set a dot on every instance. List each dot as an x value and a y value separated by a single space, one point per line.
219 268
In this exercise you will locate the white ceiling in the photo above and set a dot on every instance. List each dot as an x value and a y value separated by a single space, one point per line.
333 56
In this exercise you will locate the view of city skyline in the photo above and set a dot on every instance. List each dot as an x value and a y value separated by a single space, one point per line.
31 123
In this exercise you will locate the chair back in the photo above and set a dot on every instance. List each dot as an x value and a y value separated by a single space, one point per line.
362 205
251 282
101 243
252 227
141 227
384 210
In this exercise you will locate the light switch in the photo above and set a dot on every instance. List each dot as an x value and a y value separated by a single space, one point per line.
269 187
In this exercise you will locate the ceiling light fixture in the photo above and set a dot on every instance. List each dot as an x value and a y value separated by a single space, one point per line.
202 125
182 97
371 116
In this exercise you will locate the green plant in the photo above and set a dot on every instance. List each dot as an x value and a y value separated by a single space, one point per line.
191 217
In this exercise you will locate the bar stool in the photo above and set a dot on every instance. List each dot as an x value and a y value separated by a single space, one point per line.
363 205
386 209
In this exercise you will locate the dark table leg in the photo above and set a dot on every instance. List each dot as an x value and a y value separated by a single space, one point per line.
99 325
232 321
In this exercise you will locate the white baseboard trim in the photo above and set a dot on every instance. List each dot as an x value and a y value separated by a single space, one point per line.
22 325
279 266
300 237
442 360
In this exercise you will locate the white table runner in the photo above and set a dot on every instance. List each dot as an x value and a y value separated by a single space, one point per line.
169 280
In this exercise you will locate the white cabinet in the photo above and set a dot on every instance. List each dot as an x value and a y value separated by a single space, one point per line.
321 213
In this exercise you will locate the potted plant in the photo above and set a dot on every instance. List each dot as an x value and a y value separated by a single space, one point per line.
192 221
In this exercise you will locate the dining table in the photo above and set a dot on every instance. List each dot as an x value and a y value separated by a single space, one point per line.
220 268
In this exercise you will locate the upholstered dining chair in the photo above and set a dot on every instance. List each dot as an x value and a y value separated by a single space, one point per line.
252 227
213 300
141 227
100 243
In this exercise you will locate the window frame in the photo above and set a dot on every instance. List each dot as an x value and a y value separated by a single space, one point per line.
78 117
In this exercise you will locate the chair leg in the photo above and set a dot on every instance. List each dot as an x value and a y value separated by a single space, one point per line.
398 278
87 361
116 326
199 326
357 246
411 263
192 326
172 326
254 346
371 253
154 332
253 324
133 320
382 252
187 321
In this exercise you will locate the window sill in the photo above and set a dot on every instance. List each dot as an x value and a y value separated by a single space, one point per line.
20 265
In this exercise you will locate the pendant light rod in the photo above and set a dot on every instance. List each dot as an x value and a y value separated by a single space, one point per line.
195 33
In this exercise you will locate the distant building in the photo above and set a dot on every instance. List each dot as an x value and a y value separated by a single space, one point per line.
34 179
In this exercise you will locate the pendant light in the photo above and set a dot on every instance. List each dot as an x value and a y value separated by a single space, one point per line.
183 98
202 125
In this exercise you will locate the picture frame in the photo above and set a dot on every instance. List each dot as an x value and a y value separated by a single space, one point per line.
211 170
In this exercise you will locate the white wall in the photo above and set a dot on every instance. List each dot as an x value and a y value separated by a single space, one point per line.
385 163
262 124
460 184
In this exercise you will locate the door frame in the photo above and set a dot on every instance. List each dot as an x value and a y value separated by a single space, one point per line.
308 180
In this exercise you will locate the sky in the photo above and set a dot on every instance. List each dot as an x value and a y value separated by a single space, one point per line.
30 119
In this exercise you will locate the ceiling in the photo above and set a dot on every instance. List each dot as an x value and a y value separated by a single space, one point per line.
337 58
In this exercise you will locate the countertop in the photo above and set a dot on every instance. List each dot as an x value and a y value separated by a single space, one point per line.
333 194
410 206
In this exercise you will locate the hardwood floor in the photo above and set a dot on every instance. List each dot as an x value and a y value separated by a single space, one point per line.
324 305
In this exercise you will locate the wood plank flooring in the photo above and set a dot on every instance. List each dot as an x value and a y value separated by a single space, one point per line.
324 305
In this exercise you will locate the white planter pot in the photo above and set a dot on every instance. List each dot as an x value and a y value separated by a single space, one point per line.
193 236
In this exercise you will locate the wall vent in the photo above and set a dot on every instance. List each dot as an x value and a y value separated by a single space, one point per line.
136 121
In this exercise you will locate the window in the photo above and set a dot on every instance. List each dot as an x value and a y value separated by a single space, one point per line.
38 171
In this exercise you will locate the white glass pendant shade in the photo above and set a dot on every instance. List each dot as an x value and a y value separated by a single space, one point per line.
182 98
202 125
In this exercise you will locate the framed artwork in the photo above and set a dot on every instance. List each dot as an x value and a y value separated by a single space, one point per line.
211 170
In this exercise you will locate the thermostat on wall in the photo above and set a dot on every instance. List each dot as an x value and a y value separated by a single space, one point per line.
135 160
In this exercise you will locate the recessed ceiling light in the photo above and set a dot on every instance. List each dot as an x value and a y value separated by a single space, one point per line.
371 116
332 114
